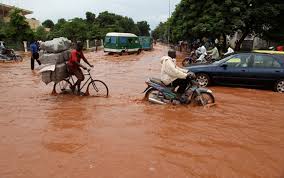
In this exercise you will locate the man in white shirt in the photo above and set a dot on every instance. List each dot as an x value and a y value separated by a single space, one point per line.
201 52
172 75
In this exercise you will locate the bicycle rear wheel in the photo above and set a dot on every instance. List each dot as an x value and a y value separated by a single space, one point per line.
97 88
63 86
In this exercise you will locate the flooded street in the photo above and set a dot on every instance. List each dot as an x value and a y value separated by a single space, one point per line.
122 136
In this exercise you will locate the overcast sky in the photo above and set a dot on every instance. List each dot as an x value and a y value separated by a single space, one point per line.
153 11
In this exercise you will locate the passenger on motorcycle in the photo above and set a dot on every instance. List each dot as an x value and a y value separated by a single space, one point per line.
172 75
214 53
74 65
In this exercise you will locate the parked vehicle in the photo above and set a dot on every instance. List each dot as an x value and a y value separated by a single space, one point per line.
146 42
8 54
121 43
157 93
259 68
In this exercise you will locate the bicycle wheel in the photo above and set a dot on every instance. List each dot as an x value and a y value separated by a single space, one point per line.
63 86
97 88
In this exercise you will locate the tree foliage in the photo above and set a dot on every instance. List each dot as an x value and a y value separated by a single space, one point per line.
48 24
91 27
144 28
196 19
161 32
18 28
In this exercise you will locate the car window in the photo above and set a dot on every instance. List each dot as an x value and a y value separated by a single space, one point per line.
238 60
276 64
264 61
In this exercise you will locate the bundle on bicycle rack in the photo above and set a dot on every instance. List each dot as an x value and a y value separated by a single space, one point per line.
55 54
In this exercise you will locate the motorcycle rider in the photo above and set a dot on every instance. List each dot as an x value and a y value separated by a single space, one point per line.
3 49
174 76
201 52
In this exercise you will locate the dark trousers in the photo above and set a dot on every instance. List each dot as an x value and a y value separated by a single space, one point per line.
181 84
34 57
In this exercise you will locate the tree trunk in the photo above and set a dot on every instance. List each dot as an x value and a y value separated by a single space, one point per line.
240 41
224 47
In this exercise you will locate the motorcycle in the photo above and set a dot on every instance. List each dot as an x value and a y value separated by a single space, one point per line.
158 93
10 55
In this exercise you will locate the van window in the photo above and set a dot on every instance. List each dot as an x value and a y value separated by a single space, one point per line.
130 40
113 40
107 40
123 40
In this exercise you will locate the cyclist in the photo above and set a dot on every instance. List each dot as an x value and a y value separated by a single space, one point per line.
74 65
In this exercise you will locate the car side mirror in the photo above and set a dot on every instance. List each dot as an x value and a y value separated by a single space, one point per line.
224 65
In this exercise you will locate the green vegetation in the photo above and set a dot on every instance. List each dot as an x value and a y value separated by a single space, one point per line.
92 27
215 18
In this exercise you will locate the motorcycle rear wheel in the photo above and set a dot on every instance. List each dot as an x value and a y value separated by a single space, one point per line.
156 95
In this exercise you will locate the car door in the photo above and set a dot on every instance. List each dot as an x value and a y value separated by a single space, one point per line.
265 70
234 70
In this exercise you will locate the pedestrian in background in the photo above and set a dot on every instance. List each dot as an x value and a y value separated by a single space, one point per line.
34 47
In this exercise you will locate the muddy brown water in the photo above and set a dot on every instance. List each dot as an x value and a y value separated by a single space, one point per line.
124 137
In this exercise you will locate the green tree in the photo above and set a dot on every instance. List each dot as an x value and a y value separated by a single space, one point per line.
144 28
48 24
41 34
195 18
90 17
18 28
161 32
3 34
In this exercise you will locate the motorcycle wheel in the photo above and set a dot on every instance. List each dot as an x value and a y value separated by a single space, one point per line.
154 96
203 99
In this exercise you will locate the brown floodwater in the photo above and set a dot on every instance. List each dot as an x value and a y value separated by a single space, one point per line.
68 136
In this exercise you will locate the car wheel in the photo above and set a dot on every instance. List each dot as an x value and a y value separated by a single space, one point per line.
203 80
279 86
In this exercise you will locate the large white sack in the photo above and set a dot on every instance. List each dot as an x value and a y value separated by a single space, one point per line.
66 55
56 45
55 58
46 77
60 73
45 68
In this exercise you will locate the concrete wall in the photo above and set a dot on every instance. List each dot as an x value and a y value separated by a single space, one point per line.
34 24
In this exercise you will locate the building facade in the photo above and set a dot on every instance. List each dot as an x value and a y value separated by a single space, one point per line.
6 9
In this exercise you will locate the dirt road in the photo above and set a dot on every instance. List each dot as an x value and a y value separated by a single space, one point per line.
123 137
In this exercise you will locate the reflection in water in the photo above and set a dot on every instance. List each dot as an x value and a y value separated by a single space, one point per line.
67 125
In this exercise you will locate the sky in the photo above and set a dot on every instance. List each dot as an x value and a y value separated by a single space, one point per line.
153 11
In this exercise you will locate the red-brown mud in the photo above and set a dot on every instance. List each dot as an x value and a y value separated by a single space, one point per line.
124 137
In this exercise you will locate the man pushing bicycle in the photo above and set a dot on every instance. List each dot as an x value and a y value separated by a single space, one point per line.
74 65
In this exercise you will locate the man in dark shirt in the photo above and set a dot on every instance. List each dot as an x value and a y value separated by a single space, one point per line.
34 54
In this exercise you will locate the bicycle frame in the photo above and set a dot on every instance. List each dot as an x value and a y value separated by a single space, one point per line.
85 83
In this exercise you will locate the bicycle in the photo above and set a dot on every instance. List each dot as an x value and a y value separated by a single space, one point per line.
95 88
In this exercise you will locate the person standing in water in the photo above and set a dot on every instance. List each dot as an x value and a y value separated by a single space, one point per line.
34 54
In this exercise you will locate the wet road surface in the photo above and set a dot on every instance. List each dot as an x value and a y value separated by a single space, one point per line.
124 137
